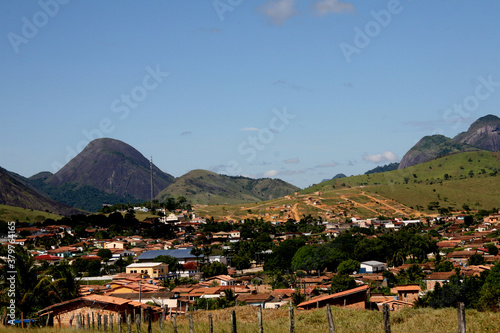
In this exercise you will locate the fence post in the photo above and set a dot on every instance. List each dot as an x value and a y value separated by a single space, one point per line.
111 322
162 318
119 323
129 323
259 319
210 324
191 323
71 321
99 321
291 317
331 324
138 322
150 314
93 321
175 322
88 322
387 319
105 320
461 318
233 322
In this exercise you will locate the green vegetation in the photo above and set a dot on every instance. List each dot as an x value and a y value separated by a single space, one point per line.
205 187
83 197
10 213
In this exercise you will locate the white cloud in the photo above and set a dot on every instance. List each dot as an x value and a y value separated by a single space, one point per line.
325 7
251 129
387 156
278 11
270 173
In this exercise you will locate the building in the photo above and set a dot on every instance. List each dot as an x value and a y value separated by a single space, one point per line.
372 266
182 255
352 298
152 269
90 306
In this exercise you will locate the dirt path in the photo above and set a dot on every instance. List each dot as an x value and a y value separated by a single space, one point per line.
359 204
385 204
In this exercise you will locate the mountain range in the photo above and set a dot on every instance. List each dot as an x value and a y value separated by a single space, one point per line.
483 134
111 171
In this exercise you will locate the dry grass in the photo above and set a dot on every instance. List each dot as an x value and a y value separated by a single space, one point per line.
314 321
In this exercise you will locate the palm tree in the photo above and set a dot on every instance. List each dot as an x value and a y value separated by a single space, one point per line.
196 252
61 282
398 257
29 295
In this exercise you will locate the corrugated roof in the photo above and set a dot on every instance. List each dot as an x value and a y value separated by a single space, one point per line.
337 295
177 253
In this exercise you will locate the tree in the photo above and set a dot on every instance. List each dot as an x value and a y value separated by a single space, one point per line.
105 253
213 269
241 262
61 282
173 264
298 297
29 292
342 282
492 249
348 266
490 291
476 259
196 252
445 266
281 258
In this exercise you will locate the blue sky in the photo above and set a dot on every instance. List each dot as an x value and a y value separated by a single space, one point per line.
294 89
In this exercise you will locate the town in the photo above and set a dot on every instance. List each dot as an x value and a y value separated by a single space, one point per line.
175 262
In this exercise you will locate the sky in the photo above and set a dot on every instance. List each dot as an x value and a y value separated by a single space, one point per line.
299 90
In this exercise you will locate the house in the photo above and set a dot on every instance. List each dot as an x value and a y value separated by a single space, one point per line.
408 293
63 251
255 299
436 277
152 269
114 245
372 266
118 253
222 280
395 304
65 313
352 298
461 256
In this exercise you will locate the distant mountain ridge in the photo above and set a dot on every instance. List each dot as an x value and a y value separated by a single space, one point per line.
483 134
206 187
114 167
111 171
16 191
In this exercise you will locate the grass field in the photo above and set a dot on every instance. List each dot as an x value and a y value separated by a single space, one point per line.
314 321
9 213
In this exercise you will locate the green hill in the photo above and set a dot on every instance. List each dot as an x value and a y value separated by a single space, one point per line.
469 178
10 213
206 187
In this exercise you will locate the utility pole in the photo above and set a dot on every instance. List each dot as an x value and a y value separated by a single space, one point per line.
151 168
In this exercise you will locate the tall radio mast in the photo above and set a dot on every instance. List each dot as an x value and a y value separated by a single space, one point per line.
151 168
